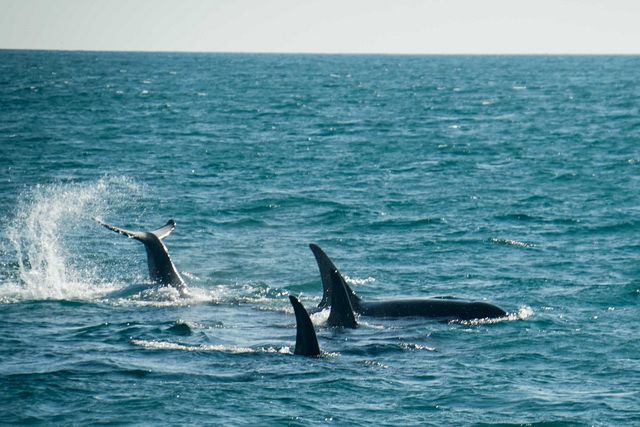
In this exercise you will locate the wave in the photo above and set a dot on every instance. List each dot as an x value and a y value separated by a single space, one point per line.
151 295
519 217
404 223
377 349
166 345
610 228
244 222
511 242
278 200
614 227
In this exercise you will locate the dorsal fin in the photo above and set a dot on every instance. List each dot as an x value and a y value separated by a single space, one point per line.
306 340
327 268
165 230
341 314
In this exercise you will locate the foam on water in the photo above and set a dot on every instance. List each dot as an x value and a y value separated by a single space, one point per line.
511 242
368 324
413 346
165 345
163 296
523 313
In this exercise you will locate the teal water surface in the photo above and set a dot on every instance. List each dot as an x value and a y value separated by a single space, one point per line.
513 180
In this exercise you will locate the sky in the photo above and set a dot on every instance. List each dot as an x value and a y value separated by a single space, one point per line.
325 26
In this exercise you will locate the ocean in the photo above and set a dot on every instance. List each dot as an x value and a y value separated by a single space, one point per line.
513 180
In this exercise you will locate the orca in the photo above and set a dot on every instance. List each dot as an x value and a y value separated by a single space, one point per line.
444 308
306 340
341 314
161 269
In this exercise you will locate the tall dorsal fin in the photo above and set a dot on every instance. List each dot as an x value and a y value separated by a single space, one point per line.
165 230
327 269
306 340
341 314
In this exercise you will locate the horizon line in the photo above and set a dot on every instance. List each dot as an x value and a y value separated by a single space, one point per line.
328 53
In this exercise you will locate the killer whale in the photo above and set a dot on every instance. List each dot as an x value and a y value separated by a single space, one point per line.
448 308
341 310
306 340
161 269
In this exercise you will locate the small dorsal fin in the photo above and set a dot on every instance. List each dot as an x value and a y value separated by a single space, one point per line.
165 230
306 340
341 314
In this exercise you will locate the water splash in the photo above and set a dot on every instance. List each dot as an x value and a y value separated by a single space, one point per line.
358 281
47 240
319 319
523 313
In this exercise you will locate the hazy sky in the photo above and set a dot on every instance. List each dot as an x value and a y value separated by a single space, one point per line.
340 26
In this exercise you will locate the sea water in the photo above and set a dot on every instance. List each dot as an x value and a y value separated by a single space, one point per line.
511 180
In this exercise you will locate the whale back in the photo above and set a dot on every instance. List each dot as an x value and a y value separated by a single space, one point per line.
441 308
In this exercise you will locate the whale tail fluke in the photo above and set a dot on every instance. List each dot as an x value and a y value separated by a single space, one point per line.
165 230
341 314
306 340
331 277
160 233
131 234
161 268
